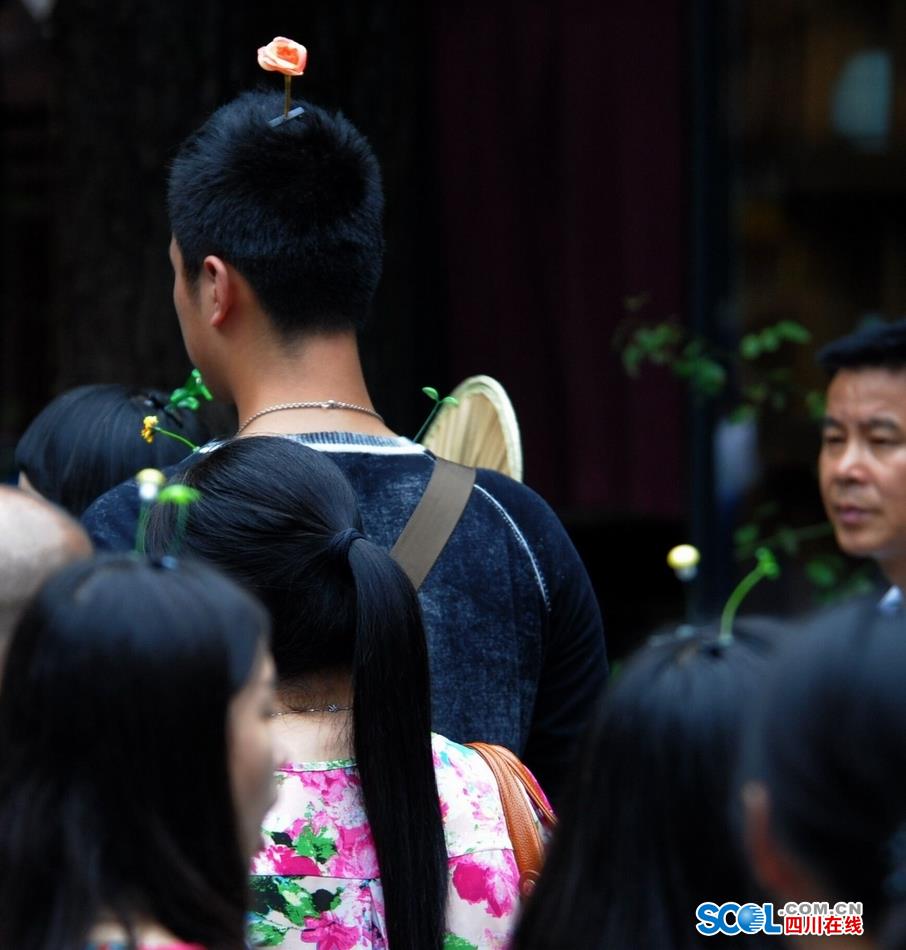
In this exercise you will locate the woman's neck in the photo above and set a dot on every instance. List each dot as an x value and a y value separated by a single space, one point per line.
313 718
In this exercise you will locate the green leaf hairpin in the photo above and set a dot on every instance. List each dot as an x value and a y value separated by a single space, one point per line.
433 394
187 396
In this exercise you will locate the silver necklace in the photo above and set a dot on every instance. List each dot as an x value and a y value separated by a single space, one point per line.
329 708
325 404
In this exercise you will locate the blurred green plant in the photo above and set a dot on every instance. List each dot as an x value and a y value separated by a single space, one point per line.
707 370
830 574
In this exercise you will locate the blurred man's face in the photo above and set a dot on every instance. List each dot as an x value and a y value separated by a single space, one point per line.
863 465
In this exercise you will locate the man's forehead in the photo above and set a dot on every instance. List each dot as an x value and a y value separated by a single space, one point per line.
865 394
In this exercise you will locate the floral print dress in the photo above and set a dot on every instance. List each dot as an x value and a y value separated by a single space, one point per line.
316 882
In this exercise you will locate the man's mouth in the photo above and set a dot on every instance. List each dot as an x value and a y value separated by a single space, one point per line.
851 515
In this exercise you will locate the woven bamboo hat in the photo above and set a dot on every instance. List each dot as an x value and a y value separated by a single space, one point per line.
481 431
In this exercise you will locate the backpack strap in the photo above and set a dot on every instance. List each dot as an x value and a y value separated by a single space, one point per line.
435 516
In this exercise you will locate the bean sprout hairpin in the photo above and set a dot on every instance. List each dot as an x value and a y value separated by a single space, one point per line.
434 395
766 567
288 57
684 560
151 492
149 481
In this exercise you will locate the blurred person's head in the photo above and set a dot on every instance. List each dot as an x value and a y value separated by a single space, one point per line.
282 519
88 440
647 830
863 452
284 219
36 538
136 761
822 774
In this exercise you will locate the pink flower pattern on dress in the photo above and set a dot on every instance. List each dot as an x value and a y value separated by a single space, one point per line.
317 880
328 933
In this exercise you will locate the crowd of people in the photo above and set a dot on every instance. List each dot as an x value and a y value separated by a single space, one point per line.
254 731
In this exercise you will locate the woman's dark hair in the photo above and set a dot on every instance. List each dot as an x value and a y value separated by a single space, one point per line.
282 519
87 441
115 794
829 744
646 832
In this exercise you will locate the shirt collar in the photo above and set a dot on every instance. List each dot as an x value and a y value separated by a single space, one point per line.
892 601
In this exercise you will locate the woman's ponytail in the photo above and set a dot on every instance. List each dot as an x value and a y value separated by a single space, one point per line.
392 723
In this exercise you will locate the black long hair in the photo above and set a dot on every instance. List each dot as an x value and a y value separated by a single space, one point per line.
283 519
829 745
115 794
87 441
646 831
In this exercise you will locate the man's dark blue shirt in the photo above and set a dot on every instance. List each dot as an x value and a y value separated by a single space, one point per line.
514 631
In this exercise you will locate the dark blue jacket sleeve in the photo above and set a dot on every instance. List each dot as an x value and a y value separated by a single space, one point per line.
574 668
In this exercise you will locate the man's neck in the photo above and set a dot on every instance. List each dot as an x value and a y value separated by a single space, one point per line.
895 572
316 368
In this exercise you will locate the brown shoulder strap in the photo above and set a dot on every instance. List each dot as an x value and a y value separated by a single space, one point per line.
514 781
435 516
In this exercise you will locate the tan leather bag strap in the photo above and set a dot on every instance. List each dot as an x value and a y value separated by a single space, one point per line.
515 782
435 516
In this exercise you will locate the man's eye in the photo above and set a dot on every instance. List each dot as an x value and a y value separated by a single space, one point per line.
832 439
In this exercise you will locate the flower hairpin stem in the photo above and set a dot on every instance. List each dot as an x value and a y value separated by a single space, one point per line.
683 561
150 426
288 57
149 481
280 119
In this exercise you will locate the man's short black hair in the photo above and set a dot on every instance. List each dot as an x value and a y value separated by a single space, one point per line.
296 208
877 346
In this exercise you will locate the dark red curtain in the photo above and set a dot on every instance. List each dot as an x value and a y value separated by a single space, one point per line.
558 150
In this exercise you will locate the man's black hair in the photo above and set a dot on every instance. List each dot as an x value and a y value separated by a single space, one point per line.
878 346
296 208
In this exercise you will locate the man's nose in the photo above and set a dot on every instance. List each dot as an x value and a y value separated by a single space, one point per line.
851 463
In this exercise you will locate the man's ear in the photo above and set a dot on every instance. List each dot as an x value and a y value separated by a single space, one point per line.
772 865
220 281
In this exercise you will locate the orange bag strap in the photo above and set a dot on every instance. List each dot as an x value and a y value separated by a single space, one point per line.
515 782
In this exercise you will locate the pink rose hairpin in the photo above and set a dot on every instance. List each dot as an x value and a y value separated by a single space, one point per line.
288 57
